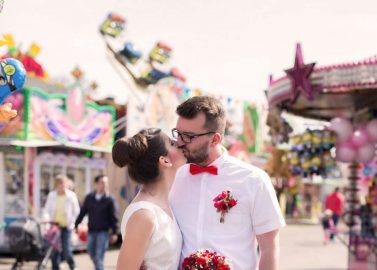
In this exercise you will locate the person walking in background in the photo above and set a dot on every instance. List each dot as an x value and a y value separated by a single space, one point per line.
335 203
327 225
102 214
62 208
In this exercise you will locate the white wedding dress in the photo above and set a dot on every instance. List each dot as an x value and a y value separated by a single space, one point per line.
164 249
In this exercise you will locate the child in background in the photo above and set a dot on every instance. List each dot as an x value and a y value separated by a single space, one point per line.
327 225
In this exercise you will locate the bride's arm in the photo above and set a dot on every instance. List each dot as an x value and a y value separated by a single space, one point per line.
139 231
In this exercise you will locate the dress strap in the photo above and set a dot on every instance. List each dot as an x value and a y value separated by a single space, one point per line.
133 208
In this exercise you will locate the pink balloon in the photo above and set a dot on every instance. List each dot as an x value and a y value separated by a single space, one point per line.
372 130
345 152
365 153
342 127
359 137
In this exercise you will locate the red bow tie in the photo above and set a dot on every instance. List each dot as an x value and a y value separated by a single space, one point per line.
196 169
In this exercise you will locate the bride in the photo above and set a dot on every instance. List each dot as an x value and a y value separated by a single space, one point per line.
151 237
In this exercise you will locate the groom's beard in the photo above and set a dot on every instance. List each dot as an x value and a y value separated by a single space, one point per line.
197 156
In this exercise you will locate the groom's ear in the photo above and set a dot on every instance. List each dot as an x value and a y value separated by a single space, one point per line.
217 138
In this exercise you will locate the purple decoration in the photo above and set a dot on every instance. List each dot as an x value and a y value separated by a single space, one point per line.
299 76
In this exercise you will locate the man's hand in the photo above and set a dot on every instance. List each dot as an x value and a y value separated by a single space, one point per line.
113 238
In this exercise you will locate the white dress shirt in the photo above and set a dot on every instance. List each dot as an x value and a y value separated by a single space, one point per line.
257 210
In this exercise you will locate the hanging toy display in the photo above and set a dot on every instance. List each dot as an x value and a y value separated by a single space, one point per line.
316 140
307 140
310 153
294 162
297 145
12 78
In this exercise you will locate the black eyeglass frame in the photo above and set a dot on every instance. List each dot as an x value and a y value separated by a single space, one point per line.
175 133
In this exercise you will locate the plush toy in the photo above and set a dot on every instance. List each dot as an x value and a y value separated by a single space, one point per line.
305 164
328 139
12 78
316 140
297 143
294 162
315 165
307 139
328 162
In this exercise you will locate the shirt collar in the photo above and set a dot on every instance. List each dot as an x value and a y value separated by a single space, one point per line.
220 160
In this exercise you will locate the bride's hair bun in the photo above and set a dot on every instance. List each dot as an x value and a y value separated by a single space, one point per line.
132 150
141 154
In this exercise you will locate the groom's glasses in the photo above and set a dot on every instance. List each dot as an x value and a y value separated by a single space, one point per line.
187 138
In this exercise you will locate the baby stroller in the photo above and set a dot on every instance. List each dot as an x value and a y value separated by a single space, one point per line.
26 242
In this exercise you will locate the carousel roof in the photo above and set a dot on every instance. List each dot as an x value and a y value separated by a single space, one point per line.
325 92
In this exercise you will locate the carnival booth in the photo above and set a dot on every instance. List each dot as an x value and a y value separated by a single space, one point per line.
346 96
51 134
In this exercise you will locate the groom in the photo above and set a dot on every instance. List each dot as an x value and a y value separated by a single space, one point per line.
252 217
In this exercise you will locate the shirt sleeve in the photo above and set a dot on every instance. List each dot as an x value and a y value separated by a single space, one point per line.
83 212
266 214
114 215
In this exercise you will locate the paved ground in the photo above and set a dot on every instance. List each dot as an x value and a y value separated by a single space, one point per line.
301 249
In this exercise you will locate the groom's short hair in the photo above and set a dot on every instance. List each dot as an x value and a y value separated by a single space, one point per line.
210 106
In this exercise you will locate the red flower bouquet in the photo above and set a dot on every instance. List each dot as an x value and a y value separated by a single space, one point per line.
223 203
205 260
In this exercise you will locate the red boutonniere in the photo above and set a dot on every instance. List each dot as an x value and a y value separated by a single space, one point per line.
223 203
206 260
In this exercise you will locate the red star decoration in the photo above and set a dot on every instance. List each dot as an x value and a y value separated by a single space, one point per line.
299 76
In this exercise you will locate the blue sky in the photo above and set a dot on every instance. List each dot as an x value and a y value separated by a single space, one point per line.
222 46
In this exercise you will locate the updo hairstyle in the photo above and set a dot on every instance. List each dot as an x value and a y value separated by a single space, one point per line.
141 154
